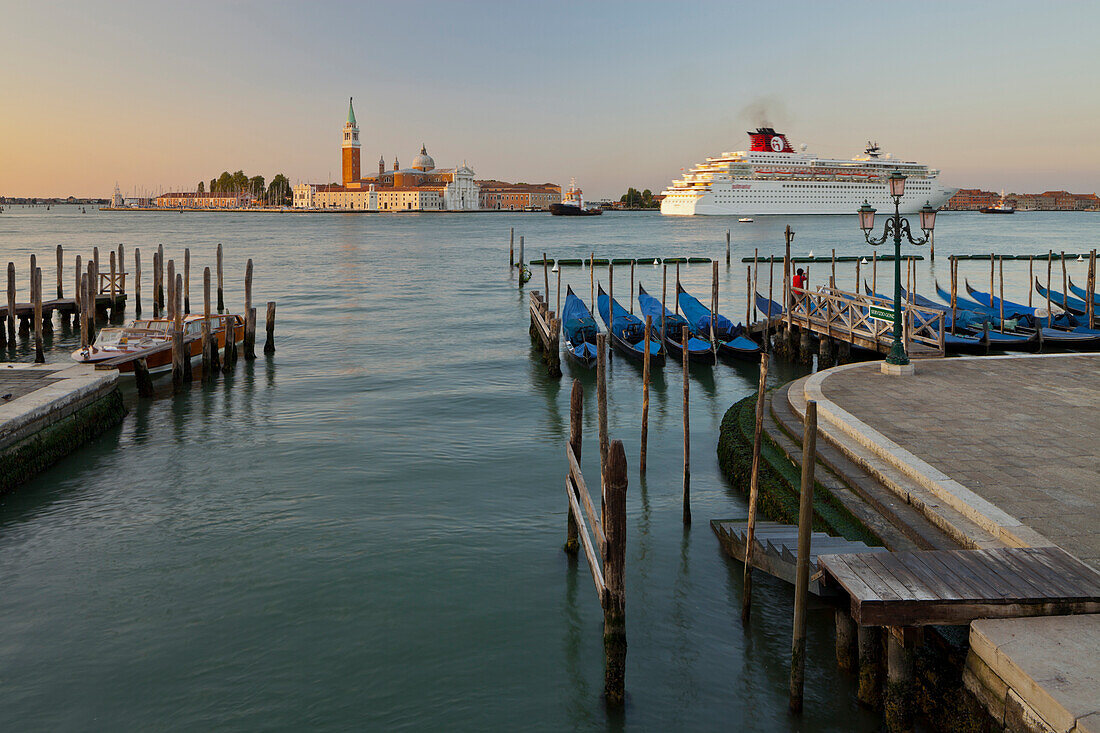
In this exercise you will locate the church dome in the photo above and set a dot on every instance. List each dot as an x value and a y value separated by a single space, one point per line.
423 162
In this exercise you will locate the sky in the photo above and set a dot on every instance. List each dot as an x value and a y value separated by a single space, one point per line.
158 96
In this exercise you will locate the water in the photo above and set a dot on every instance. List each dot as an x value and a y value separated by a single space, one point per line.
365 530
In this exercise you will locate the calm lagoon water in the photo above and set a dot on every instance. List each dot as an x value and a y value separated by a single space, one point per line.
364 531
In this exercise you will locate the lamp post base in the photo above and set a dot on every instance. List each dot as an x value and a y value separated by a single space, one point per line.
898 370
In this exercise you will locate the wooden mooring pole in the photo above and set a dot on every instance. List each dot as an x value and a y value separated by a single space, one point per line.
39 356
179 351
269 345
754 489
511 247
632 287
60 272
159 265
664 296
186 279
209 349
1065 285
727 247
1030 278
142 380
114 287
645 395
249 315
576 429
684 335
614 562
601 418
218 264
137 281
713 309
1050 320
11 303
802 568
1090 290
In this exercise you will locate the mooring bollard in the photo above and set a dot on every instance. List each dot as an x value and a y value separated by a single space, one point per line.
269 346
576 428
142 380
221 297
754 490
614 560
802 568
645 395
684 336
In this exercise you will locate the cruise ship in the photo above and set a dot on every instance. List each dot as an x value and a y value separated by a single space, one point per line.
772 178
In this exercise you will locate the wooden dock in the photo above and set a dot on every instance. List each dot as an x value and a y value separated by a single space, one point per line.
949 587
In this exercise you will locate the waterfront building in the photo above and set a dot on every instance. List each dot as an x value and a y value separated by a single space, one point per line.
196 200
420 187
973 199
518 196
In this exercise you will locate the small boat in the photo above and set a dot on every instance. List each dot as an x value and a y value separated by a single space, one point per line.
745 220
673 328
628 331
1068 335
151 339
572 204
769 308
731 338
1074 305
580 330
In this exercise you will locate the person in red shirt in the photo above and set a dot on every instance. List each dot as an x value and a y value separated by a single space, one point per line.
800 279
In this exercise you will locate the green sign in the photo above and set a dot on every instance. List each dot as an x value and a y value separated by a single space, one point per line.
883 314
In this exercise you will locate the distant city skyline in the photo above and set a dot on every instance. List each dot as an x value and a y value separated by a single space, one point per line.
995 95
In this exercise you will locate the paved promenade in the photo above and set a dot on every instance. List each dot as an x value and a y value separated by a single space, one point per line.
1010 445
1020 432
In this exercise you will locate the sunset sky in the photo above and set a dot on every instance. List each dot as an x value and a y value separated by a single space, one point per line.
158 96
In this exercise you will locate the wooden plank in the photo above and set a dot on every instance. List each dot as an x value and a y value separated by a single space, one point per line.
1008 566
848 577
903 583
914 578
582 489
964 558
593 565
979 587
944 582
1070 568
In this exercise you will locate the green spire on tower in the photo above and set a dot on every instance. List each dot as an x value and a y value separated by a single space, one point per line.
351 113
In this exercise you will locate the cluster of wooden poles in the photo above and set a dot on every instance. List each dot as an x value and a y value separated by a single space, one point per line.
104 296
608 528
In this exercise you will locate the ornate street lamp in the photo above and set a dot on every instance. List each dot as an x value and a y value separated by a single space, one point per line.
896 226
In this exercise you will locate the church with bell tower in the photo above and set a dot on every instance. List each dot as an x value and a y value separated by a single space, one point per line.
350 149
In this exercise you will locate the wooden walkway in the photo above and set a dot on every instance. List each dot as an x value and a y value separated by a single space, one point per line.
954 587
776 548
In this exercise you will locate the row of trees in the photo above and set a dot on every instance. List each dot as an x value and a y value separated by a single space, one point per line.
639 200
276 193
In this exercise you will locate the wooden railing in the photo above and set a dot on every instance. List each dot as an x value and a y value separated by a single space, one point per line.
847 316
547 329
106 281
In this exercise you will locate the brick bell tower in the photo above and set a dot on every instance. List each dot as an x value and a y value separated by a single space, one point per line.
349 149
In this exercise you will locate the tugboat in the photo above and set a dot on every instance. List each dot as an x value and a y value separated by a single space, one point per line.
572 204
1000 208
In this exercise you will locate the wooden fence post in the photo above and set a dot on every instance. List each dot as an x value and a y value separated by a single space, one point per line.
221 296
137 281
645 395
614 561
802 569
754 489
269 345
684 336
576 428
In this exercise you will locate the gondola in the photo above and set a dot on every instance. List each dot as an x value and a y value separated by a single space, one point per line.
1076 306
698 349
974 321
1084 296
580 329
628 331
768 307
1068 336
731 338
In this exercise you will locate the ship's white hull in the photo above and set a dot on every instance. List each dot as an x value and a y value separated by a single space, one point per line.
749 197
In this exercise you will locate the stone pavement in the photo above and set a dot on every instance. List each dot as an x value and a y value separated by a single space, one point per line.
1020 432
